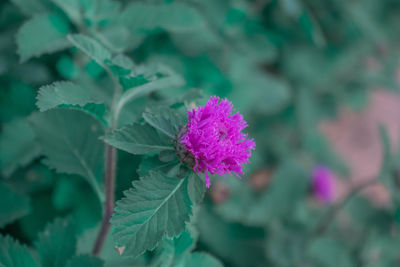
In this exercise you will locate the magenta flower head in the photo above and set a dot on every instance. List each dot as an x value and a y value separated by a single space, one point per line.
213 139
323 184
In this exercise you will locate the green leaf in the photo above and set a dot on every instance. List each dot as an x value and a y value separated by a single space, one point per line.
91 48
200 259
72 8
155 164
13 254
174 17
85 261
196 187
31 7
285 244
169 79
57 243
14 205
18 146
157 205
70 141
42 34
164 119
288 187
172 250
58 93
329 252
137 139
222 238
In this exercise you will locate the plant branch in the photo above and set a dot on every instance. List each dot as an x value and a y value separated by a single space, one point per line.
110 174
111 158
330 216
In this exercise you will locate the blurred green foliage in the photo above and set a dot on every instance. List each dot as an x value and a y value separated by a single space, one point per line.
285 65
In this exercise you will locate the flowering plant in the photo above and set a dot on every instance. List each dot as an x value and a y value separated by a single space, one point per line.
119 120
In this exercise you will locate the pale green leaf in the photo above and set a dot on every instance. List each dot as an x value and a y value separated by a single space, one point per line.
18 146
164 119
14 205
156 206
137 139
92 48
70 141
85 261
13 254
174 17
57 243
58 93
42 34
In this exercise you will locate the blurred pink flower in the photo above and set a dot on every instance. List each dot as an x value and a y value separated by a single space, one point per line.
323 184
213 137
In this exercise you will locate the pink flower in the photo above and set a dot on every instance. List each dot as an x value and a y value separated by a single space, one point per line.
214 139
323 184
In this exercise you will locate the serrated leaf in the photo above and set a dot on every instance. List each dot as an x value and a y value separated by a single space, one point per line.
196 188
14 254
156 206
18 146
154 164
57 243
14 205
42 34
200 259
164 119
174 17
162 78
85 261
70 141
91 48
58 93
171 250
137 139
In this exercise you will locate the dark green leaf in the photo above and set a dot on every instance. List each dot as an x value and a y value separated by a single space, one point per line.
200 259
70 141
85 261
14 205
13 254
164 119
57 243
18 146
156 206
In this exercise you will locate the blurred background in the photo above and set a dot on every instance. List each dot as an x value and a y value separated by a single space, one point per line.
317 81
